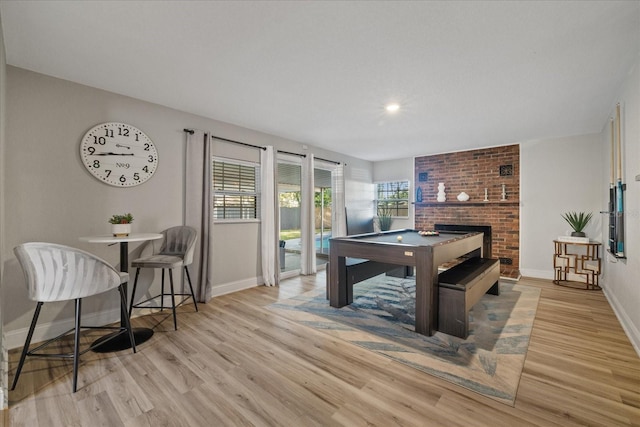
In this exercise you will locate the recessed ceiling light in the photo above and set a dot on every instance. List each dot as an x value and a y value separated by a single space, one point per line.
392 108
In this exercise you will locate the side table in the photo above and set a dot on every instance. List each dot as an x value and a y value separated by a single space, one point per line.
581 259
139 334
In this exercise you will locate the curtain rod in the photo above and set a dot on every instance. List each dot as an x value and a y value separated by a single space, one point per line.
304 155
238 142
329 161
293 154
191 131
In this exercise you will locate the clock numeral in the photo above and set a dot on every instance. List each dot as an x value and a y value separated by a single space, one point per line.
122 178
108 172
108 132
150 159
123 132
146 146
136 176
91 150
96 164
100 141
137 135
146 169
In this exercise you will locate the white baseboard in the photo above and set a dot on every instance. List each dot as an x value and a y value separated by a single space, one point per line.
240 285
45 331
537 274
627 325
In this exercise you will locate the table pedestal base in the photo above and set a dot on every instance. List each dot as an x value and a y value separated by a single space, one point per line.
121 342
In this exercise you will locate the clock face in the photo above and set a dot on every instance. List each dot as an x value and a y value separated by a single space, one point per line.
118 154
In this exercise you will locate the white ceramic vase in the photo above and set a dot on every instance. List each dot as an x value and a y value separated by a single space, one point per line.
442 196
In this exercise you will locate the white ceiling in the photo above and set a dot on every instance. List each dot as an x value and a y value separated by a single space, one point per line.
467 74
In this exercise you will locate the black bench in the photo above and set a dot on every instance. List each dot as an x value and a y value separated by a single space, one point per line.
362 269
460 287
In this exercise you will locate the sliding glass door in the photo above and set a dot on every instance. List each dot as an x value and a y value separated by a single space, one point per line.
291 249
289 192
323 211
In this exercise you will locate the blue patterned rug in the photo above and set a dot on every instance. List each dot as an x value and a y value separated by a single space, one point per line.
382 316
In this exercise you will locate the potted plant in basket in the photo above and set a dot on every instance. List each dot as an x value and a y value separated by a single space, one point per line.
578 221
121 224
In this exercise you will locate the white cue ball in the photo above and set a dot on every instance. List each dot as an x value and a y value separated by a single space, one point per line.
399 238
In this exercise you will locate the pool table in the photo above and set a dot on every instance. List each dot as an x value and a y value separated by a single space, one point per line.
425 253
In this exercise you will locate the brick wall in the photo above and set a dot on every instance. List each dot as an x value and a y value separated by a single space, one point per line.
472 172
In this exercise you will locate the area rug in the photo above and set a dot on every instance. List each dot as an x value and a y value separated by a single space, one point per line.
382 316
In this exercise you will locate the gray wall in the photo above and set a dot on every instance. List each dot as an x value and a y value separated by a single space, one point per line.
622 286
53 198
556 176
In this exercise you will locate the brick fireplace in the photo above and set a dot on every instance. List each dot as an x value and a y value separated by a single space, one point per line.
472 172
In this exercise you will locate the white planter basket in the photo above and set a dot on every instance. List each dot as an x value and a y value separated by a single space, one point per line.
120 230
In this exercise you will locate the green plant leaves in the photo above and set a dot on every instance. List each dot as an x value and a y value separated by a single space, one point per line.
577 220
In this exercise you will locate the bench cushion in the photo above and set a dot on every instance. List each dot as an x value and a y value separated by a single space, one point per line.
466 274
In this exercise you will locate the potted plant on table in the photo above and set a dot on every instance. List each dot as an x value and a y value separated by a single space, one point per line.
121 224
578 221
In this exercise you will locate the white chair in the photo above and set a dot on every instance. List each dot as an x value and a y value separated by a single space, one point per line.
176 251
62 273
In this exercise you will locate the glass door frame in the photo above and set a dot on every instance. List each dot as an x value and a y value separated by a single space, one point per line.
284 273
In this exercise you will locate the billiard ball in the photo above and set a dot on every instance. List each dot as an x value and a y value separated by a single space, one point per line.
399 238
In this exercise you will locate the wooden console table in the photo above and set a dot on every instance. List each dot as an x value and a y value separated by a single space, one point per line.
581 259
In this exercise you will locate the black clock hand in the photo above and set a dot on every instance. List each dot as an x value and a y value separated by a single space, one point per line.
113 154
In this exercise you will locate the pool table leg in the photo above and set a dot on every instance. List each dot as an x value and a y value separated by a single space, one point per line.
426 295
339 294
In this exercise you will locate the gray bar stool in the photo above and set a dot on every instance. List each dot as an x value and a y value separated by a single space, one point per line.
176 251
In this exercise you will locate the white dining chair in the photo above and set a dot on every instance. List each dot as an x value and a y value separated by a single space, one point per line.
177 250
61 273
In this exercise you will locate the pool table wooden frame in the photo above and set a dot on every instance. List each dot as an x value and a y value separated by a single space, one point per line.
425 257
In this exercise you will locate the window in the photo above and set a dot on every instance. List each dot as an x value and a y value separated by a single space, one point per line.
392 198
236 189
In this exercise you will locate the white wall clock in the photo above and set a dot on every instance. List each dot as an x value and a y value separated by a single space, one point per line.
118 154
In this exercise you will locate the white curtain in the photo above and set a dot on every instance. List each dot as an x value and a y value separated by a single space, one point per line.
307 220
197 210
269 218
338 217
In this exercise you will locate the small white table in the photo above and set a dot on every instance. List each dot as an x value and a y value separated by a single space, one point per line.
140 334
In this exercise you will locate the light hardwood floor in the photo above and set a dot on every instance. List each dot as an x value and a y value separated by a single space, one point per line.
235 363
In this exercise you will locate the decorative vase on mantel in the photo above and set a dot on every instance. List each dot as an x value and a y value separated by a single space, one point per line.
442 196
463 197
